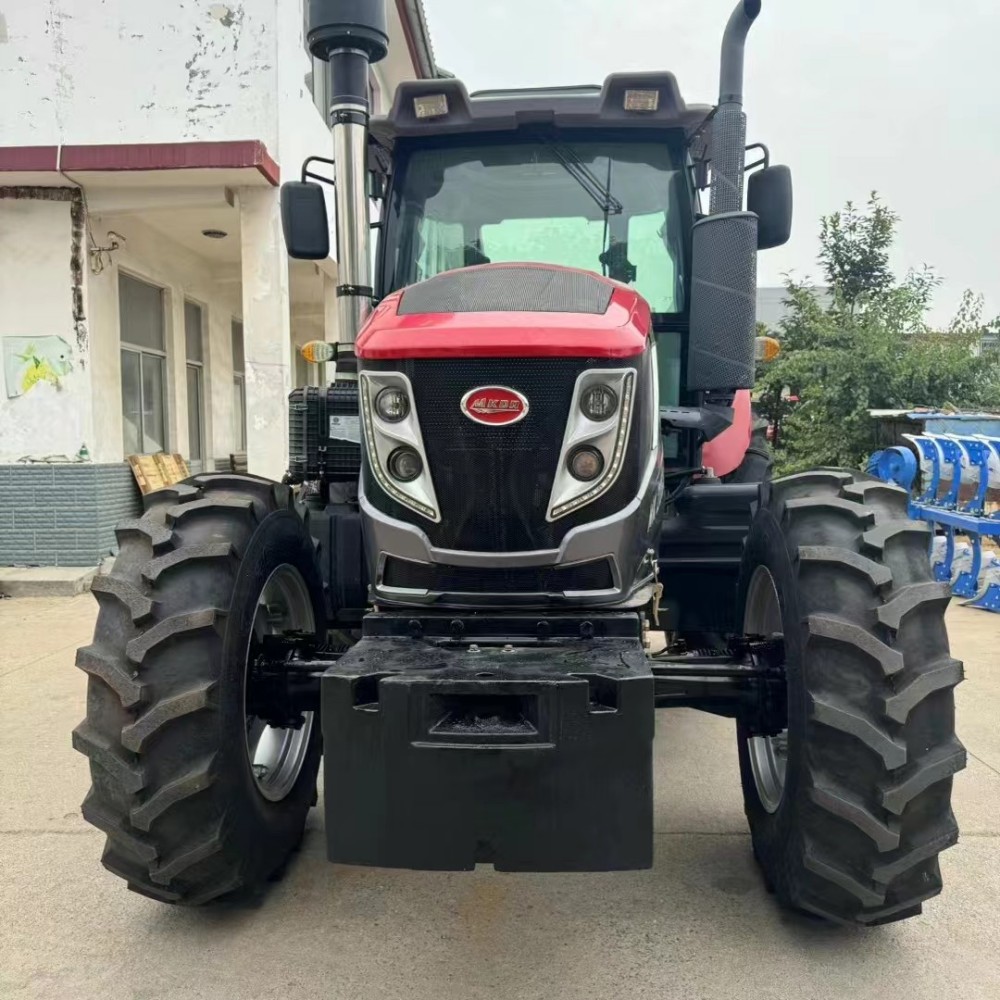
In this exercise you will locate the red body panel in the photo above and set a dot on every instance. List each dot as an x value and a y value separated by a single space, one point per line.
724 453
620 332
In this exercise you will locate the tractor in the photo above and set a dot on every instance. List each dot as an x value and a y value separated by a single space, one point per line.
529 509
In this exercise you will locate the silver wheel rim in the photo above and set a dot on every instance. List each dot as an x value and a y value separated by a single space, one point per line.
768 754
276 755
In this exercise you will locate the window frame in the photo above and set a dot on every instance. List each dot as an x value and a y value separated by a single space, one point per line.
240 387
198 366
141 351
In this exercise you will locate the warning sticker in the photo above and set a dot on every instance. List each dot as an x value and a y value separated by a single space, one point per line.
345 428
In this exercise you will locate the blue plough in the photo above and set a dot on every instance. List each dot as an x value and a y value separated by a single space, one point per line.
946 462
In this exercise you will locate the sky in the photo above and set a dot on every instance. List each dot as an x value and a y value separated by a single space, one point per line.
898 96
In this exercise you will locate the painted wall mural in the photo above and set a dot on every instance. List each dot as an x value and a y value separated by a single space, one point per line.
29 361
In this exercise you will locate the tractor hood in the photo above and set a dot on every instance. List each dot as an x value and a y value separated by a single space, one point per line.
509 310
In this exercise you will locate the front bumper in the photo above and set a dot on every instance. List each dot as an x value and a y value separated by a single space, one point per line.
442 755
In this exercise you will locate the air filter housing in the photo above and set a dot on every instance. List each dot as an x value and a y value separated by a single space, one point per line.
347 24
324 433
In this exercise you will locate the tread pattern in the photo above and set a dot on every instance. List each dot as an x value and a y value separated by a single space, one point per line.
153 570
191 782
101 665
885 835
152 731
830 555
139 605
877 675
854 724
105 754
839 630
136 735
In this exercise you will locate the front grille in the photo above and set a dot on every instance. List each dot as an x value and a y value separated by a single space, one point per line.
493 483
594 575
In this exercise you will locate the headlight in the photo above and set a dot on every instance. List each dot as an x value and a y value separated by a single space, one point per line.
405 465
392 405
599 402
585 463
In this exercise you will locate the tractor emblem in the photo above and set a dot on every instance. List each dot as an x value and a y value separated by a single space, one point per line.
494 405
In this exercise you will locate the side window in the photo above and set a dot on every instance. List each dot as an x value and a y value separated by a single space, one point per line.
656 273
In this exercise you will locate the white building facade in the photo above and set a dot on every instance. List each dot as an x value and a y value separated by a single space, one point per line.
146 300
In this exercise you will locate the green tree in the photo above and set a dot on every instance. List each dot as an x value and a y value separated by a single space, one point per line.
868 347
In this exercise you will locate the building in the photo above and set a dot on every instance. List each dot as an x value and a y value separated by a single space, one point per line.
146 299
772 304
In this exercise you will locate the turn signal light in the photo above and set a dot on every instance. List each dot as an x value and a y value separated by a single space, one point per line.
317 352
766 348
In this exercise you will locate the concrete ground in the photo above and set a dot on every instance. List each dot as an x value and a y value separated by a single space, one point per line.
698 926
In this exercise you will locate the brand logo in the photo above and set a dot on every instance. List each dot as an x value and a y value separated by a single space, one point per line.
494 405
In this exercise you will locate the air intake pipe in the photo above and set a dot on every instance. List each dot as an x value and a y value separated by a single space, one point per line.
724 243
350 35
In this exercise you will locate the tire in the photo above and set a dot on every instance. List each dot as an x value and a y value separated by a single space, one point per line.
758 462
854 833
186 819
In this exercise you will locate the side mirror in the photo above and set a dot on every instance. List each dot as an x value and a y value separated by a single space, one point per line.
769 197
304 221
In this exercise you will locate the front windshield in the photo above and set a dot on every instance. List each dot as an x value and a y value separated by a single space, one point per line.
615 208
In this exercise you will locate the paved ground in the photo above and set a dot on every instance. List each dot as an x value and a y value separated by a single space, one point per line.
699 926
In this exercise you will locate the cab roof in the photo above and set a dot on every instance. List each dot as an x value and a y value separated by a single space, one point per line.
559 107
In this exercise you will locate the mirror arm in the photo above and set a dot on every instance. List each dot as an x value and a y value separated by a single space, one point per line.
307 173
764 161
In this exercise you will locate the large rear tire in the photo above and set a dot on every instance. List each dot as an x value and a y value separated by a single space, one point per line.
849 807
198 800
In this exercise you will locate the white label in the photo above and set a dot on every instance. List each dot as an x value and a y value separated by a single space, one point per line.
345 428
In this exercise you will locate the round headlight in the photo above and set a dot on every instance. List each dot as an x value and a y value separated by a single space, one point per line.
599 402
585 463
392 405
405 465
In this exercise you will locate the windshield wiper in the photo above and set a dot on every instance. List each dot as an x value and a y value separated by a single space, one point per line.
586 178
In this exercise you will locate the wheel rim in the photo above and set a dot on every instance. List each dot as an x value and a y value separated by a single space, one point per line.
276 754
768 754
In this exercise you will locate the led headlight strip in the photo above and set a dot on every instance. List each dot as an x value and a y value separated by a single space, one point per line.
614 461
381 443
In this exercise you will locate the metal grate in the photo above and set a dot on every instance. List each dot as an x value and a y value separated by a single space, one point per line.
517 288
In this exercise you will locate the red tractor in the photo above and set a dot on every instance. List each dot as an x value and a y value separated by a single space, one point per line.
535 458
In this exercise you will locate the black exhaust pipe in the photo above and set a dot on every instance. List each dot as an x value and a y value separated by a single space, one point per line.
724 243
729 127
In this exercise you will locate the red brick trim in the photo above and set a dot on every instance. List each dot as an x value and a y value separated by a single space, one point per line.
143 156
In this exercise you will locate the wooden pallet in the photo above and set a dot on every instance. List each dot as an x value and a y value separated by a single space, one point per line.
155 472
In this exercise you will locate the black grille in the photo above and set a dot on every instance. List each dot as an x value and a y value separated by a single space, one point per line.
594 575
519 288
493 483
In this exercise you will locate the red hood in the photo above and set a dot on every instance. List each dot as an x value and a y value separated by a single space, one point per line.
621 331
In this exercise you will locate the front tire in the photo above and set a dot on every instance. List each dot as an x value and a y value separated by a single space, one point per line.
849 806
198 800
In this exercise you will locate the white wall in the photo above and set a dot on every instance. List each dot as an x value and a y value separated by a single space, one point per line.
78 71
36 301
130 71
151 256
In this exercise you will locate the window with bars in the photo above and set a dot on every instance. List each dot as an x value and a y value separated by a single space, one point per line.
142 339
194 341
